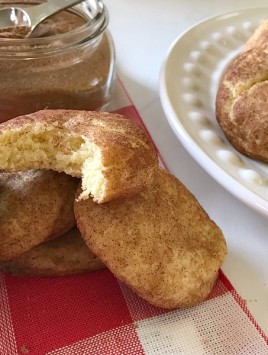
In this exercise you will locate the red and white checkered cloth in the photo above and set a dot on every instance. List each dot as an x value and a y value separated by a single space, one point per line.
96 314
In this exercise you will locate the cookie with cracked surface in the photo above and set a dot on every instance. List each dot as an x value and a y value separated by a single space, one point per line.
159 242
259 38
111 154
242 103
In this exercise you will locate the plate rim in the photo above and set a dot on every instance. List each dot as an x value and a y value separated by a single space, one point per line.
236 188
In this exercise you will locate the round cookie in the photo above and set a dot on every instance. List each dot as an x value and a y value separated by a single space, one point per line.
112 154
35 205
160 242
65 255
259 37
241 103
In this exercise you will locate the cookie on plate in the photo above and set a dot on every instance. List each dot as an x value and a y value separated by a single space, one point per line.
159 242
242 103
35 205
112 154
259 37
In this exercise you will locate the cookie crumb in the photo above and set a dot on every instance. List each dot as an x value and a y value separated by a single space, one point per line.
24 349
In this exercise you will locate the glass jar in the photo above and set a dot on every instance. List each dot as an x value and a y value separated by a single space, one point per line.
69 63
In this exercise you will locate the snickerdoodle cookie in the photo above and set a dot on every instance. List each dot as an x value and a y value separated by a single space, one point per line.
242 103
65 255
259 37
35 205
112 154
160 242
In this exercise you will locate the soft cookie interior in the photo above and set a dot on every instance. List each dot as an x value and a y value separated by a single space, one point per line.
111 154
49 147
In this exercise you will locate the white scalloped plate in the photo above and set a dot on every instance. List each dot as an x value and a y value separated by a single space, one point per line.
189 80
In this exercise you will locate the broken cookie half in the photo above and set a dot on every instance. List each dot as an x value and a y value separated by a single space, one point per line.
111 154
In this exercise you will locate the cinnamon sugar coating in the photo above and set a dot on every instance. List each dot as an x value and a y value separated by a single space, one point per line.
160 242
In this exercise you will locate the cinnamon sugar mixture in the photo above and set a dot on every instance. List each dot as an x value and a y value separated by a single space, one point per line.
14 32
35 75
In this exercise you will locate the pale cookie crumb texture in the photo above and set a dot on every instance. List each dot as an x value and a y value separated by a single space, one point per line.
111 154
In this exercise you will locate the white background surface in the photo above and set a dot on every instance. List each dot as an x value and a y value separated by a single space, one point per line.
143 30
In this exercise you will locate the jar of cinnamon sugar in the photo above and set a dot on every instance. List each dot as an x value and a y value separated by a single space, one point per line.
67 62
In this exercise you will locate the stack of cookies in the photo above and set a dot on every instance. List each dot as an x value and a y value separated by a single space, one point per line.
81 190
37 225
